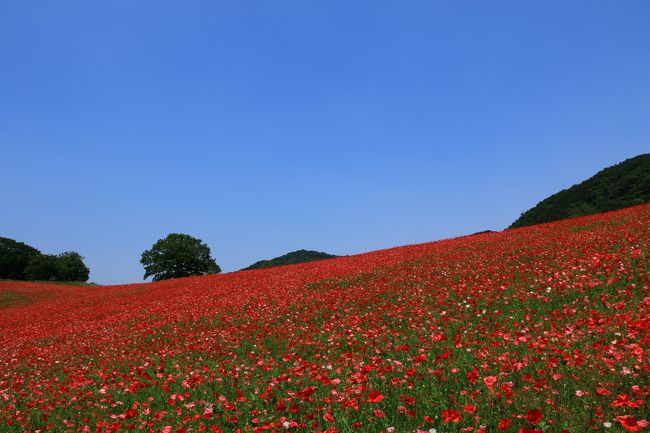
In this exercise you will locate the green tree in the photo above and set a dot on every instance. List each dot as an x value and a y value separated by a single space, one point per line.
72 267
178 255
14 258
44 267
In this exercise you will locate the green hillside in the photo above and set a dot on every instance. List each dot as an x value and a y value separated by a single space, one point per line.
300 256
621 185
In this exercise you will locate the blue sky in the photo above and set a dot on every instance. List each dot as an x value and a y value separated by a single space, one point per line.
266 127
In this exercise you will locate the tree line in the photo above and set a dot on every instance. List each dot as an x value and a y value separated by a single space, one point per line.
19 261
177 255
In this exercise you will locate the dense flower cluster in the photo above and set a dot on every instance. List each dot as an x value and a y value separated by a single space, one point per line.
541 329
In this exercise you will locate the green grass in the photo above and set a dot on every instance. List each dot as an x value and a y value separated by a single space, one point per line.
10 299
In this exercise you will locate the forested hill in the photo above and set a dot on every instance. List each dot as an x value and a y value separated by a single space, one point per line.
300 256
621 185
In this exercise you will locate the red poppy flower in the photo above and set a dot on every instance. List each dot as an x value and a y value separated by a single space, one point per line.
623 400
628 423
534 416
504 423
470 408
490 381
375 397
602 391
449 415
472 375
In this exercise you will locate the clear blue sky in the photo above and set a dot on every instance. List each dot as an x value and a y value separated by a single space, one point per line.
265 127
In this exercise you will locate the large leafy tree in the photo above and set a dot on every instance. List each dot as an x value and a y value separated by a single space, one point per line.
178 255
14 258
72 267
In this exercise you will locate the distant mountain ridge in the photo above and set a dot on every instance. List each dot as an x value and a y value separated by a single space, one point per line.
292 258
622 185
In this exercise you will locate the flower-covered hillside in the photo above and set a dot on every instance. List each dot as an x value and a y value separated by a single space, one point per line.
544 328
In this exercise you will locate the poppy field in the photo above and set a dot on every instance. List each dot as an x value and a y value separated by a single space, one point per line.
539 329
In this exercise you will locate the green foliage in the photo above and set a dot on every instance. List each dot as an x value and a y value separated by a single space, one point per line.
178 255
10 299
300 256
622 185
14 258
44 267
72 267
19 261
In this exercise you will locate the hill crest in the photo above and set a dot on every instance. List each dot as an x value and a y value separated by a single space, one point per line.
292 258
616 187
